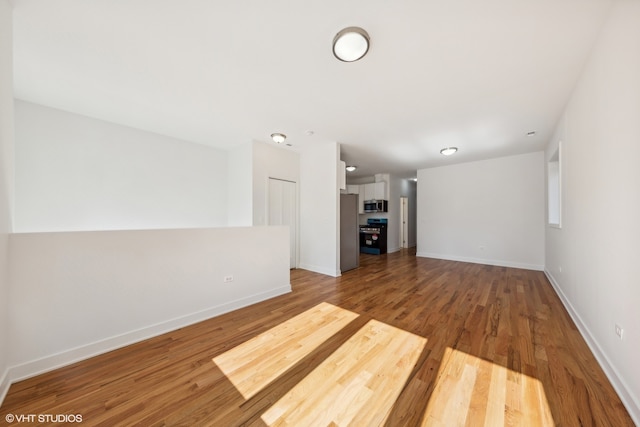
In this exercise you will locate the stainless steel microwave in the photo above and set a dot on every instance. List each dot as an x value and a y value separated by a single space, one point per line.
376 206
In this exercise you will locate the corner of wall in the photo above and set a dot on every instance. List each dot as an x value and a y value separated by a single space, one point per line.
4 385
319 209
6 183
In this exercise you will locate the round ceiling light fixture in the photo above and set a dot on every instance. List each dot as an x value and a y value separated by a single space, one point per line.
351 44
448 151
351 168
278 137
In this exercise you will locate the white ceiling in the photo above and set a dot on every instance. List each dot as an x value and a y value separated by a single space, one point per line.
474 74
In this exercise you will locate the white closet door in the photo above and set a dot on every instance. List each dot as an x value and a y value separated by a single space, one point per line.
283 211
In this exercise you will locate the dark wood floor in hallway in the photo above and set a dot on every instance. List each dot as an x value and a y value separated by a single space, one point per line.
400 341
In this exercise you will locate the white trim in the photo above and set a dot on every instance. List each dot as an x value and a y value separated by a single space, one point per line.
495 262
67 357
319 269
627 398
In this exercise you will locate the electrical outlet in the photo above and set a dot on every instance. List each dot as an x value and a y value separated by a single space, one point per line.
228 279
619 331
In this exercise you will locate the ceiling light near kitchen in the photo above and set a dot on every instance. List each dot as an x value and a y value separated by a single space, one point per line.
278 137
448 151
351 168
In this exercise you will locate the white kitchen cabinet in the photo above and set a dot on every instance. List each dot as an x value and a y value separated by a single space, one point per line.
380 191
375 191
369 191
361 199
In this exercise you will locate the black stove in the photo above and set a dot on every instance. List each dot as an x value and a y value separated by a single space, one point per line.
373 236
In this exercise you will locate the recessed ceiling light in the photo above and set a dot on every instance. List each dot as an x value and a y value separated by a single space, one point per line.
351 168
309 133
448 151
351 44
278 137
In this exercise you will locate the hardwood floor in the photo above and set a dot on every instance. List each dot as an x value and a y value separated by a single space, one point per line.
401 341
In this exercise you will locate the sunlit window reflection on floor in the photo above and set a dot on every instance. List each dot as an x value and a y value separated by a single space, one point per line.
357 385
471 388
254 364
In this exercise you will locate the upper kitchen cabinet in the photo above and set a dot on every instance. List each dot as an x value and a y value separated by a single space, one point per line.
375 191
369 191
380 191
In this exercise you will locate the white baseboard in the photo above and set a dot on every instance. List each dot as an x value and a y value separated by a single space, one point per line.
495 262
320 269
629 400
55 361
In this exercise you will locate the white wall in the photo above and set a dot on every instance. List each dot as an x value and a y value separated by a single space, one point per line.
270 162
593 259
78 173
320 209
489 212
95 291
6 183
240 186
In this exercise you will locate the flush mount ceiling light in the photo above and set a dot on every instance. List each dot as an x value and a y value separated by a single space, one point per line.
448 151
278 137
532 133
351 168
351 44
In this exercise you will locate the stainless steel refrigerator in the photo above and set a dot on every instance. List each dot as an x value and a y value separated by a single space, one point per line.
349 232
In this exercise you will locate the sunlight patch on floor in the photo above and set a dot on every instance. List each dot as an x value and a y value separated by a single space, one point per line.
471 388
253 365
357 385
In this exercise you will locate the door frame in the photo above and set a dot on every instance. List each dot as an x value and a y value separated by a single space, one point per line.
404 222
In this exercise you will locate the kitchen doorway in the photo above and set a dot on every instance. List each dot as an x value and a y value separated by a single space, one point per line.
283 210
